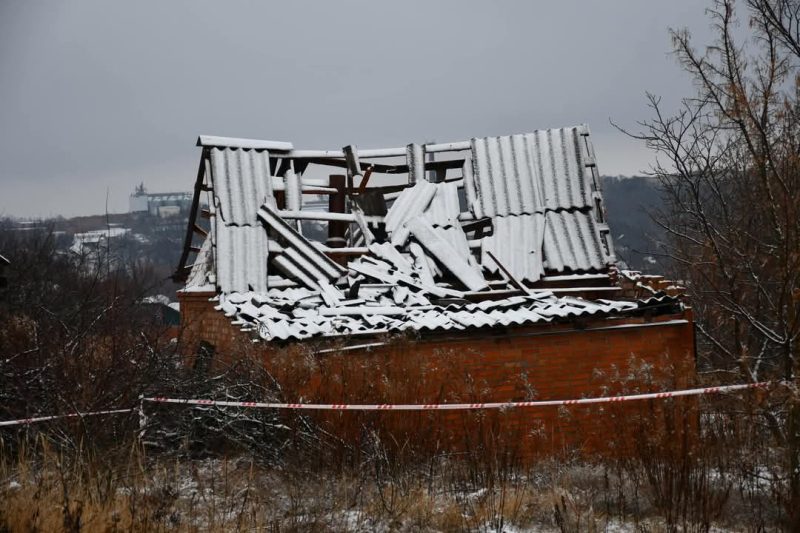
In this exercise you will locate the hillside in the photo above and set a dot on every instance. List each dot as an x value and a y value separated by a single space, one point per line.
630 204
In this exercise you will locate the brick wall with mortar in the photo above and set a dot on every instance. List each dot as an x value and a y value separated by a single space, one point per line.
551 361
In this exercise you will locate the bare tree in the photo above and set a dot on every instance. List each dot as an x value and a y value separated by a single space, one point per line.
729 164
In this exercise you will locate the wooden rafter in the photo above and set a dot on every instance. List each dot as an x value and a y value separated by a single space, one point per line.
181 272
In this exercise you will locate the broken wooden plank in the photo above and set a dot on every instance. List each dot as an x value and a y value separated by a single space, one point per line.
321 215
415 159
351 158
514 281
363 185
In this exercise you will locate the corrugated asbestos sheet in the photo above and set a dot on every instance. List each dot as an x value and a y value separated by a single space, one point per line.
527 173
444 208
504 180
517 242
299 259
549 171
202 267
411 203
572 242
241 182
449 250
241 258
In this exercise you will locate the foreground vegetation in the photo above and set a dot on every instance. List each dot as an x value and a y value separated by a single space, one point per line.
730 476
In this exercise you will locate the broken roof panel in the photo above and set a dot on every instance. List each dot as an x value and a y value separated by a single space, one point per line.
517 242
446 251
444 208
411 202
299 257
202 267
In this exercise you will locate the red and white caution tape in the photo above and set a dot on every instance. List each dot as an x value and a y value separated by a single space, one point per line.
462 406
403 407
26 421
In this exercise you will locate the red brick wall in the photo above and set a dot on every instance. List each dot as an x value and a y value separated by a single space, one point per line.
538 362
201 322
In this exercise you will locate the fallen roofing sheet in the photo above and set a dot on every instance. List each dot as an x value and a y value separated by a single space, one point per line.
444 207
411 203
299 259
446 251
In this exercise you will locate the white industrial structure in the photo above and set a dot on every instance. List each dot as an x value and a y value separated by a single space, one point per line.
162 205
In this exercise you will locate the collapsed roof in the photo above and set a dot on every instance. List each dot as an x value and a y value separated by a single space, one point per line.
452 236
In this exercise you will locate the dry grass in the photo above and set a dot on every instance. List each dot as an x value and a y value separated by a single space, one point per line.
45 489
235 494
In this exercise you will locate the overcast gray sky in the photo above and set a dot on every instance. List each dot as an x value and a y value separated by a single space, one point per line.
96 96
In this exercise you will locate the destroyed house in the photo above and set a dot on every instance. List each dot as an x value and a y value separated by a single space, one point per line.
494 251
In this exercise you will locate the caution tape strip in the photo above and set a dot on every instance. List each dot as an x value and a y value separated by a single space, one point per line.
405 407
26 421
461 406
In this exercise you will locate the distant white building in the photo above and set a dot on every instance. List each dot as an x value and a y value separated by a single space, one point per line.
92 241
168 204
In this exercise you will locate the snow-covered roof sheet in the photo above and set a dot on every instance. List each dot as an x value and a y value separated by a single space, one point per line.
283 314
520 208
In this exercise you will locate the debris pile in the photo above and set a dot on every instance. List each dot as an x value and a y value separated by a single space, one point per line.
512 240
